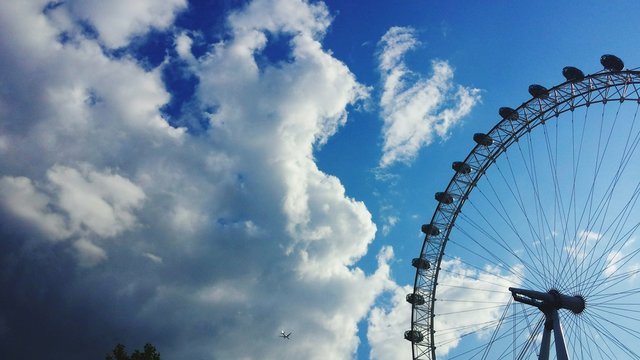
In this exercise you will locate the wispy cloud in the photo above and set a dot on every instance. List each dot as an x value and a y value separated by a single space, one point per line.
389 223
416 109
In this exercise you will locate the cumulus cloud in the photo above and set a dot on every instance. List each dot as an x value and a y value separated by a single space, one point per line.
456 318
73 202
205 244
19 197
387 323
101 203
416 109
118 21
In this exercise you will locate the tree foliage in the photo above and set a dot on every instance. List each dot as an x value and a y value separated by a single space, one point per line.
119 353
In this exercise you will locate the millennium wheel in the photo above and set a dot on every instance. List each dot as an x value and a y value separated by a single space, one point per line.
533 251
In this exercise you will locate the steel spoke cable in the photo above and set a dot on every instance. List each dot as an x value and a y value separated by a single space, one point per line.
593 338
619 220
529 165
614 279
477 327
618 295
475 289
610 311
476 349
493 325
470 329
578 337
517 196
479 270
509 348
532 172
611 186
510 222
526 162
504 215
570 331
597 281
594 284
495 332
616 225
465 301
624 161
537 234
575 165
502 243
531 339
616 243
604 201
589 197
598 329
575 161
519 200
557 195
620 309
615 339
558 205
628 330
532 254
596 166
545 224
496 260
472 310
596 171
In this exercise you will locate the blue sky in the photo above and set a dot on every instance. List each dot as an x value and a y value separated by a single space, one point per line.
204 174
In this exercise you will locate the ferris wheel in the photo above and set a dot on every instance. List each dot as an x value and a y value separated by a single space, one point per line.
533 251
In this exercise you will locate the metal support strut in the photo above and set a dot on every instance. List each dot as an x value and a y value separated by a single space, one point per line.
549 303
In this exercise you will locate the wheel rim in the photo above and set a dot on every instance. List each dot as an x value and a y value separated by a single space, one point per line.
550 204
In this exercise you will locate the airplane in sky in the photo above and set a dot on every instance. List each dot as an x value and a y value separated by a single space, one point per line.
284 336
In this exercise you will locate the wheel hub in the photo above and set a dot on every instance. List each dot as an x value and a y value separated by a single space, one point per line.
551 300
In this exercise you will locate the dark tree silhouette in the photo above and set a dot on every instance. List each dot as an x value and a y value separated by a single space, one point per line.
119 353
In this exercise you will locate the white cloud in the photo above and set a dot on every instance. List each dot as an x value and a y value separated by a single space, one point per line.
487 286
387 324
87 157
19 196
389 223
154 258
183 45
589 236
117 21
88 254
612 263
102 203
301 104
415 109
584 241
76 202
453 318
282 16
